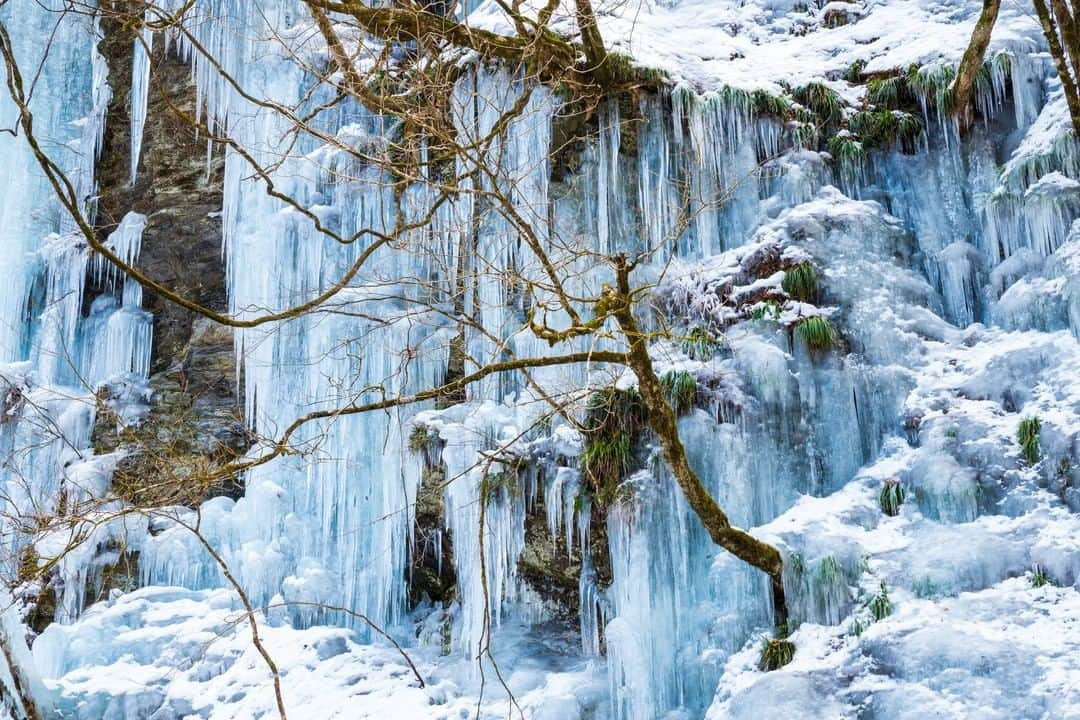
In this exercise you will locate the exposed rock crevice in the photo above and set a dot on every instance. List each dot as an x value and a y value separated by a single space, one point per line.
195 419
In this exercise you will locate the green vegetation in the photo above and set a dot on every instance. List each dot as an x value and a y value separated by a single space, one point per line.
884 129
700 344
797 563
891 498
847 150
621 66
1039 578
765 103
880 605
680 388
822 101
829 570
932 84
504 479
857 627
854 72
925 588
770 309
890 92
801 283
607 460
817 333
420 438
1027 434
776 652
614 421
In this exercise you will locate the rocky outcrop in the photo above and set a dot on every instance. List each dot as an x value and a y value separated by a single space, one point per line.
195 418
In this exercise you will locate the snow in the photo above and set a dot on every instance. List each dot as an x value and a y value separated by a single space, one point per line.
757 45
949 276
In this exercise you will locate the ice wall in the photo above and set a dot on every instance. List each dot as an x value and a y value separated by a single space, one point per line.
914 248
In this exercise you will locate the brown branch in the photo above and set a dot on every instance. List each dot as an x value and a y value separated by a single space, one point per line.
406 25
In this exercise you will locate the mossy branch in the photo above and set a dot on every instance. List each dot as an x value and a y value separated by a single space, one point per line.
971 63
663 422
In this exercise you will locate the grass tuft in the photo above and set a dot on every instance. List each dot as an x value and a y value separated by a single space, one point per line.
614 420
419 439
847 150
700 344
767 104
801 283
822 101
776 652
891 498
854 72
884 129
769 309
817 333
1027 434
880 605
607 460
680 388
1039 578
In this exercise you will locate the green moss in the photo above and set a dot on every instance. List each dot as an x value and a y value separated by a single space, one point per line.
880 605
1027 434
891 498
680 388
776 652
817 333
801 283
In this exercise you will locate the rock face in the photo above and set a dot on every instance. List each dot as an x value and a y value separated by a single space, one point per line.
195 419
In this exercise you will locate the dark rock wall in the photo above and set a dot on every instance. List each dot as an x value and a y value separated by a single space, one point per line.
195 419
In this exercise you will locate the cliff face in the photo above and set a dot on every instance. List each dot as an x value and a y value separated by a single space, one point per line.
195 414
195 418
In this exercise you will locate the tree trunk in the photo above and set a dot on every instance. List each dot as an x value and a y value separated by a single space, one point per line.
664 424
968 71
1061 61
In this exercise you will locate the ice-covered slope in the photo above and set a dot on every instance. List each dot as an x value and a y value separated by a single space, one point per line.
948 271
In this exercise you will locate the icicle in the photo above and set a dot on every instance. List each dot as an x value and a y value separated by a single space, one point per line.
140 88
